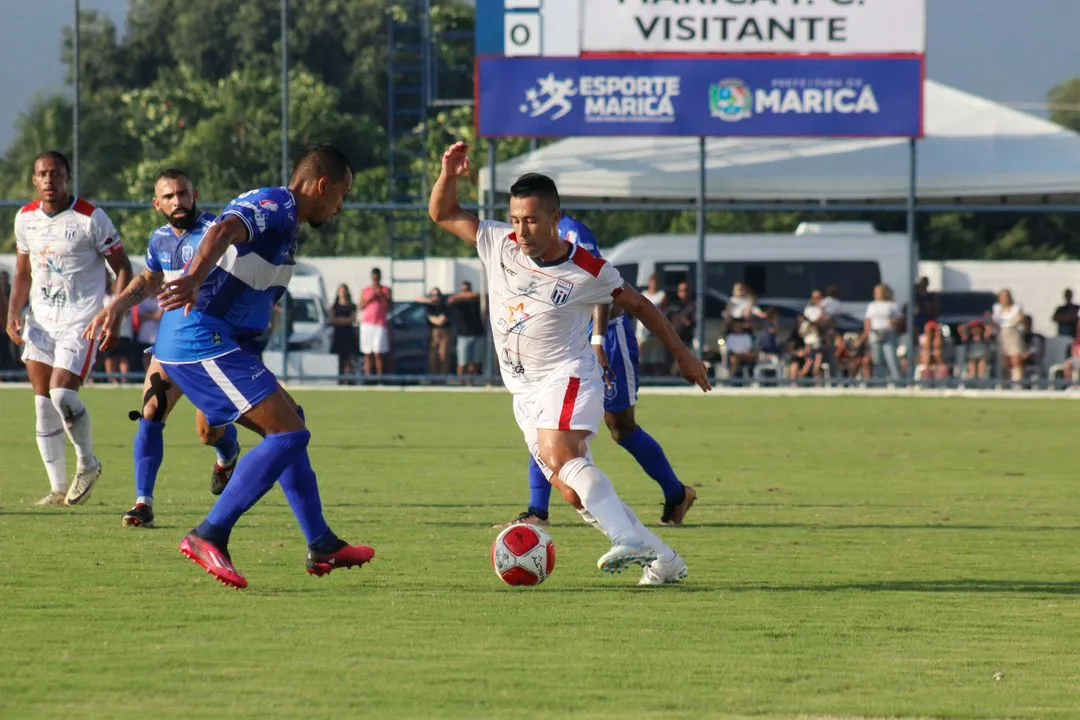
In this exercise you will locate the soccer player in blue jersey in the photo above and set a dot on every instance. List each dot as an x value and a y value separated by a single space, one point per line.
228 293
171 247
616 348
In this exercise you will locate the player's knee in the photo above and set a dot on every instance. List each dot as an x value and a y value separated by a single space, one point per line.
67 403
567 492
155 410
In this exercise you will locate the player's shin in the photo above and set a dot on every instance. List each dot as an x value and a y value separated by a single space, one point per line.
599 498
255 474
301 489
149 453
51 443
76 423
539 491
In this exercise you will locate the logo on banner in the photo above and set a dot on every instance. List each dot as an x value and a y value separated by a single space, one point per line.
629 98
561 293
730 100
549 95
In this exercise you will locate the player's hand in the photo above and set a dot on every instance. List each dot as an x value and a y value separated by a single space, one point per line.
182 292
104 327
601 357
455 161
693 370
15 328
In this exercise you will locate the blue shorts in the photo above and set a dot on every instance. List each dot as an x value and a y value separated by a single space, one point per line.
226 387
621 384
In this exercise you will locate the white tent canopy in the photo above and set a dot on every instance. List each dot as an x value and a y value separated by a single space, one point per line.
974 150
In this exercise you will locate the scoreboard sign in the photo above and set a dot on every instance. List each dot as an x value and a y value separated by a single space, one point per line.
571 28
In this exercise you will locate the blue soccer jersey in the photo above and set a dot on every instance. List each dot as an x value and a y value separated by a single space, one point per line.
620 344
169 253
237 300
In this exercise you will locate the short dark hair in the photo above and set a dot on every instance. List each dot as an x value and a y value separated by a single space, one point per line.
53 155
466 284
376 271
173 174
325 161
536 185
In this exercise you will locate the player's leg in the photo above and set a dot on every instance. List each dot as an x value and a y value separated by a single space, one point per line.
48 425
225 441
539 500
160 395
224 389
73 358
620 398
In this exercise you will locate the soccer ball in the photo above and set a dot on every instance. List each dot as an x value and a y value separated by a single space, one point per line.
523 555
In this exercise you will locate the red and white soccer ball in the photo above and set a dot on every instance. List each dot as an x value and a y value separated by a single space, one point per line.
523 555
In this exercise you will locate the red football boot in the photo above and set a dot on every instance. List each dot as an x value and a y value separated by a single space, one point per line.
346 556
214 560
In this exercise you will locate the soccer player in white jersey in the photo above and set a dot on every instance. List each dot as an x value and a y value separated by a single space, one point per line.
542 294
63 244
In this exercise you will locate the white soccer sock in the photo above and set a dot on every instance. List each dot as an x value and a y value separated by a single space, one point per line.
51 443
598 496
76 422
663 552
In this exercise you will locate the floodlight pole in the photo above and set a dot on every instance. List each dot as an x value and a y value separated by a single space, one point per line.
699 309
913 260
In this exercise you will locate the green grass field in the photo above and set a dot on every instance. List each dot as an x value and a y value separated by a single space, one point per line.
849 557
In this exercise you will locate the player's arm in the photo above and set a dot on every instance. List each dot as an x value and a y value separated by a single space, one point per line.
106 324
120 264
183 292
20 295
601 318
443 207
637 305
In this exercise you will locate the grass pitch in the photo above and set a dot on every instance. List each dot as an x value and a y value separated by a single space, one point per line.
848 557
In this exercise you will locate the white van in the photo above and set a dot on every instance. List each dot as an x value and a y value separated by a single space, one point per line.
851 256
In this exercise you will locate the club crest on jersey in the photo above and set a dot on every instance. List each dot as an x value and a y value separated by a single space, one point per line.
186 253
269 205
69 231
561 292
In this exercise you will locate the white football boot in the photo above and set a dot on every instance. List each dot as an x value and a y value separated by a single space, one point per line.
83 484
620 557
665 572
53 498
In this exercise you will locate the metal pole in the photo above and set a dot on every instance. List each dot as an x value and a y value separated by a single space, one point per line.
284 92
77 73
913 260
699 315
489 214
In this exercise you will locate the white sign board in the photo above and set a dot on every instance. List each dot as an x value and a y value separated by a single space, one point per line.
834 27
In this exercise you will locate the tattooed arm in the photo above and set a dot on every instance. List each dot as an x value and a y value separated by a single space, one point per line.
106 324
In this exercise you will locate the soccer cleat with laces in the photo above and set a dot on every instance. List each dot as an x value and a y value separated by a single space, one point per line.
675 513
620 557
665 572
221 475
528 518
53 498
142 515
346 556
83 485
213 559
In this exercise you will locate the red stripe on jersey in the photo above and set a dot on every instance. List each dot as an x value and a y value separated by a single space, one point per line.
83 208
587 261
568 402
513 236
36 205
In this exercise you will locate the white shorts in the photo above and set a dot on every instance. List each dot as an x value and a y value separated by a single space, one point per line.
63 348
562 402
374 339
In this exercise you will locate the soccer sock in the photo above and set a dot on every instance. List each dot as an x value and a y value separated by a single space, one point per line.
650 456
149 452
228 447
539 491
598 496
255 474
663 552
51 443
76 422
301 489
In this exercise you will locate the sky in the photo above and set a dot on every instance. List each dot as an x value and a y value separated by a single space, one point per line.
1006 50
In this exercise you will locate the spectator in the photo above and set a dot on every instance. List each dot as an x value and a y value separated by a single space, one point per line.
770 337
831 304
742 353
1034 345
375 303
976 341
468 323
118 359
1007 317
1072 363
5 343
931 352
881 328
1066 317
926 305
438 320
345 342
743 304
682 312
652 352
147 320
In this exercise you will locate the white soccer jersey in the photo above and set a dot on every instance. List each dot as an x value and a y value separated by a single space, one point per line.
540 314
67 259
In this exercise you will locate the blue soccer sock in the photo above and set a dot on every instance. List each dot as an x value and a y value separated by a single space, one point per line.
301 489
228 447
651 458
539 491
149 452
255 474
